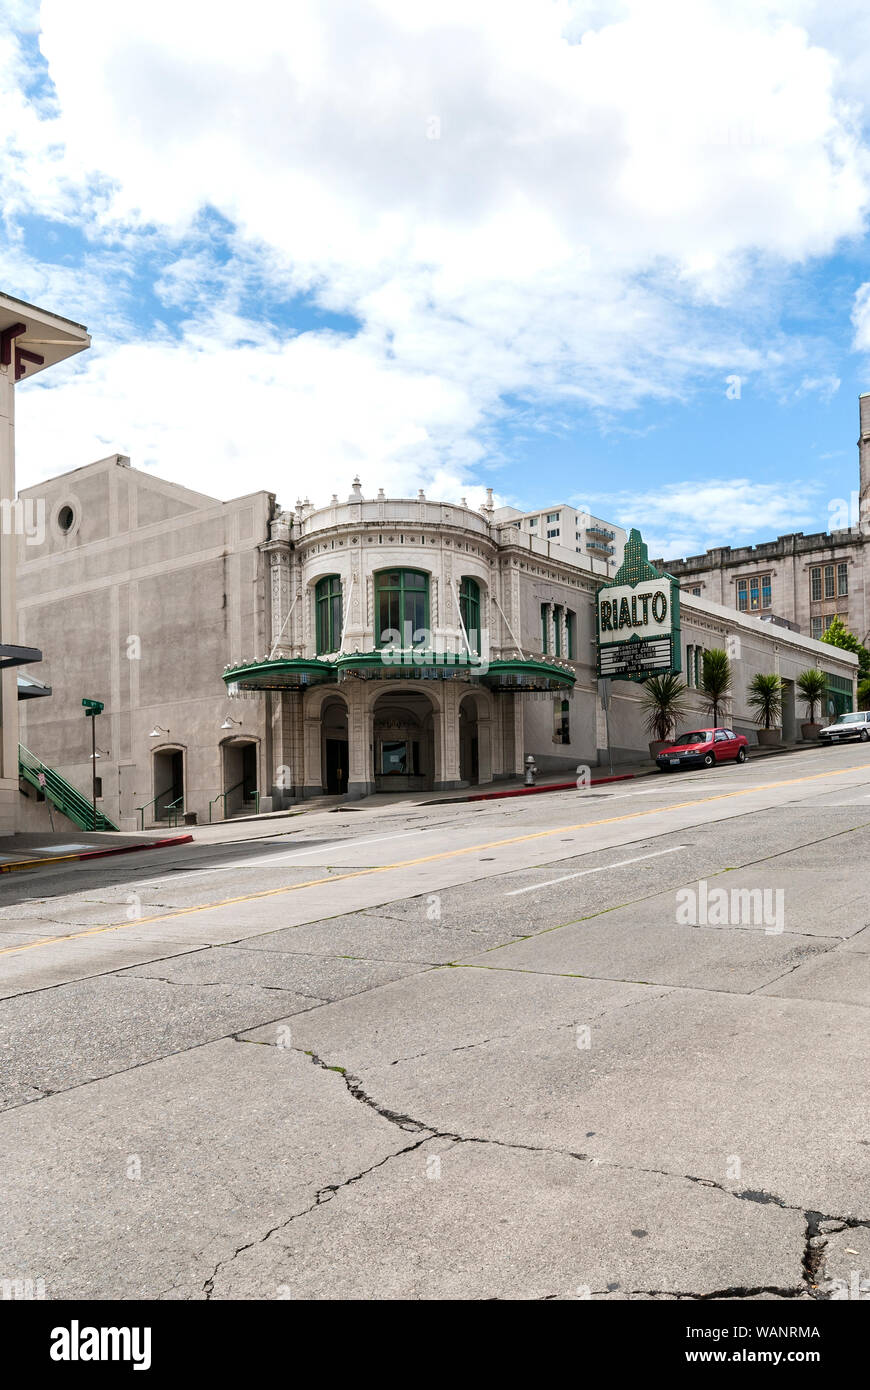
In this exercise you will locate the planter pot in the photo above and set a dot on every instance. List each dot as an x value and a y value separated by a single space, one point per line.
656 748
769 738
810 732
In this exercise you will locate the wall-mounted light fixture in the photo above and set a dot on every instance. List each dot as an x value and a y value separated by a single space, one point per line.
229 722
157 731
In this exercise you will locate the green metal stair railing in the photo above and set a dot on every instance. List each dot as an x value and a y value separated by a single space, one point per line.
172 808
61 793
222 796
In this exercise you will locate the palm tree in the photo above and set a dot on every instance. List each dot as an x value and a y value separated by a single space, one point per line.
812 685
664 705
765 697
715 680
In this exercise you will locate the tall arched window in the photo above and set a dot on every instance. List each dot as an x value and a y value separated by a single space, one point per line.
327 604
469 607
401 605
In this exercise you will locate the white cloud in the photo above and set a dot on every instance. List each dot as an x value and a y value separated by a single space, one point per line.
295 418
861 318
687 518
612 190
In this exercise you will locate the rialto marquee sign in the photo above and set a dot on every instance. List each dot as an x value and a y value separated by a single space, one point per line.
638 619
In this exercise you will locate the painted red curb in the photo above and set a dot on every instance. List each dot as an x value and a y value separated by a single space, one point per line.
555 787
131 849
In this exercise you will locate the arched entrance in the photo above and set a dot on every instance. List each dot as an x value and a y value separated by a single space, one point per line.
168 782
240 780
404 741
334 745
475 755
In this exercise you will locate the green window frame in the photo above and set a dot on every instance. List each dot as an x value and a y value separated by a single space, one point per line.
557 630
545 628
569 634
401 605
469 607
328 611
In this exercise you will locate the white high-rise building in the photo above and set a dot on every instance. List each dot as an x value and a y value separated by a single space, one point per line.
577 531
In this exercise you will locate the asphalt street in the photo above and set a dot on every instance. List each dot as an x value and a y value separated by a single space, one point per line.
607 1043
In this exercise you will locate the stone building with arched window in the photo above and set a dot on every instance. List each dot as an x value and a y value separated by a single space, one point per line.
249 657
399 657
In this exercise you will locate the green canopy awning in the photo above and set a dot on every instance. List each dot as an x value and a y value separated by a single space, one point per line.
521 676
390 663
289 673
515 675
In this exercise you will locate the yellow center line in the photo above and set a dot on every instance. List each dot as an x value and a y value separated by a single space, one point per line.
424 859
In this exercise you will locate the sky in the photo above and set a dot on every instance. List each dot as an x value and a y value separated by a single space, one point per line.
611 254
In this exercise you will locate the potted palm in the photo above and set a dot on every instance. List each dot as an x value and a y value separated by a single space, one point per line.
715 681
765 697
664 706
812 685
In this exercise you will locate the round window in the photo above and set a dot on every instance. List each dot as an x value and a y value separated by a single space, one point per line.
65 518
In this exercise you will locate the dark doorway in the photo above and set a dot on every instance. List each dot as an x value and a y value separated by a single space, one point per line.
249 771
240 778
168 782
336 765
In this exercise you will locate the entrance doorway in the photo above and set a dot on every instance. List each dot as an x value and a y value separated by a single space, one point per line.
469 754
240 777
334 754
336 765
168 782
404 738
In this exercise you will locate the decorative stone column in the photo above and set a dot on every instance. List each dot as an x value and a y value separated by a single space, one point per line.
312 750
361 774
514 735
287 745
447 737
281 588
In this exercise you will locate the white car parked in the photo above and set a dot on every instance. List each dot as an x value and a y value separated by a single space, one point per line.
848 726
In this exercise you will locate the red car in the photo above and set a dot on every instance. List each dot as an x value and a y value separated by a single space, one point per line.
703 748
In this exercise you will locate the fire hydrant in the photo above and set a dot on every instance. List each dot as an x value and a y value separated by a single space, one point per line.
530 771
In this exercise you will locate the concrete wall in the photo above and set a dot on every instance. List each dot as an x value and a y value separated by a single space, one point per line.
140 604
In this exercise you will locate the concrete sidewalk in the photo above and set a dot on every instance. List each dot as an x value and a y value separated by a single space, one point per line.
33 851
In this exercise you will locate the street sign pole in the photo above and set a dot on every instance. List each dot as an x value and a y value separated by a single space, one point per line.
92 709
94 763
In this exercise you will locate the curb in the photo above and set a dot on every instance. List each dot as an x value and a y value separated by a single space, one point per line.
533 791
598 781
554 787
94 854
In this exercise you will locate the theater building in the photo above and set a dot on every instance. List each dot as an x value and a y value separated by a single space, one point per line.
249 657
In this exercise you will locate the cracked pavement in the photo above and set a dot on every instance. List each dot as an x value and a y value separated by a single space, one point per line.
399 1055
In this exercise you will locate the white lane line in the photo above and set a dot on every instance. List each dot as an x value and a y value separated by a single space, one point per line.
602 868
